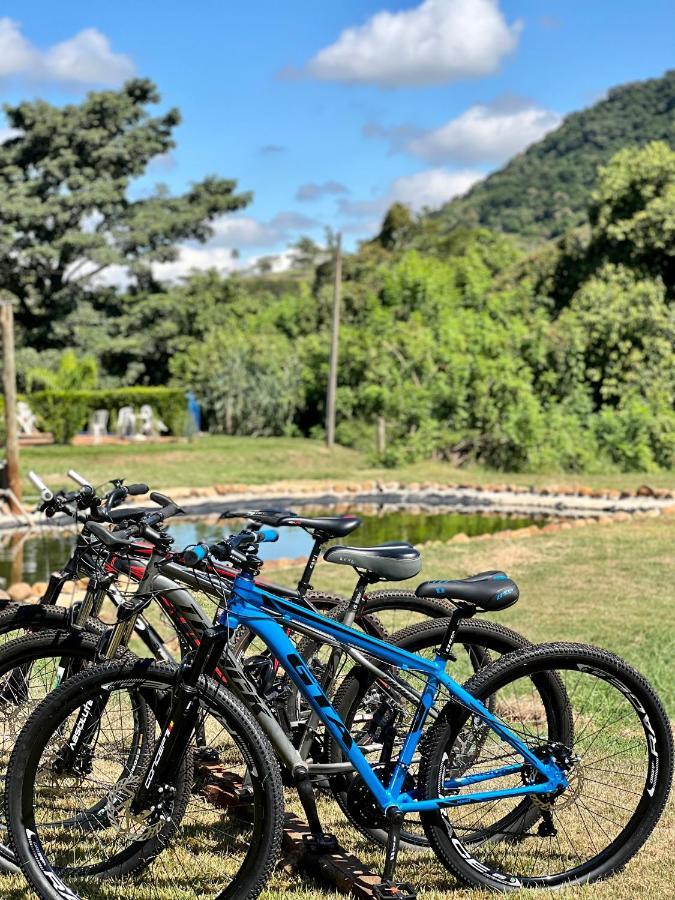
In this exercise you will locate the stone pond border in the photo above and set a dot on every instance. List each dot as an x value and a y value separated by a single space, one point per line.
573 506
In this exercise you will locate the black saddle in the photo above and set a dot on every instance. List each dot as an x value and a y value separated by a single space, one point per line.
490 591
331 526
389 562
322 526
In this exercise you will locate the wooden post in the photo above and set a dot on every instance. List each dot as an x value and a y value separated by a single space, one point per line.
9 388
334 347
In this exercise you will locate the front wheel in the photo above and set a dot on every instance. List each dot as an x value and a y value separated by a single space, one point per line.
190 842
618 765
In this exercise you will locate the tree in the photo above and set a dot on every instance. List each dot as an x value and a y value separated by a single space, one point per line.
72 373
65 212
396 226
633 211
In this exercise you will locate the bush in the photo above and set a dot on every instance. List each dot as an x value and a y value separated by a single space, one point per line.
65 413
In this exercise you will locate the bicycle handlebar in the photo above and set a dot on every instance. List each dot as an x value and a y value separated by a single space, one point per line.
78 479
45 494
230 549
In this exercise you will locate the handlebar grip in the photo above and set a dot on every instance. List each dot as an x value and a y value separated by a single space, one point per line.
78 479
194 555
136 489
268 536
43 490
160 499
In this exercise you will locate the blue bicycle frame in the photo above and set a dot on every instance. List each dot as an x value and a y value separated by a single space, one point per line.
268 615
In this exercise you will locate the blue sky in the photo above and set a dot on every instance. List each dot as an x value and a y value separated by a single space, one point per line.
415 102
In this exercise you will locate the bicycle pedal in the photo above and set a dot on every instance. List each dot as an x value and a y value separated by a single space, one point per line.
325 843
394 890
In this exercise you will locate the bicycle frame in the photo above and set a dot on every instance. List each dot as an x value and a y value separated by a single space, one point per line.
268 615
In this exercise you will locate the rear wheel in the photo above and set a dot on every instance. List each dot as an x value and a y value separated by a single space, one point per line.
618 764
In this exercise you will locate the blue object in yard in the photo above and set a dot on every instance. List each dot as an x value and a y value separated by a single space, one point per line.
194 411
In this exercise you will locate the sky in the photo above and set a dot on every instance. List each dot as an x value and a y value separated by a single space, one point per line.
330 111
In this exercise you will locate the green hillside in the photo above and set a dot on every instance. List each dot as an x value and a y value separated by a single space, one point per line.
544 191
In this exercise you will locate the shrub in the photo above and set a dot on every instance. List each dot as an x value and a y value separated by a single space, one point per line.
65 413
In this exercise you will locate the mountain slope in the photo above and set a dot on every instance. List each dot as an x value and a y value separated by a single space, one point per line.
543 191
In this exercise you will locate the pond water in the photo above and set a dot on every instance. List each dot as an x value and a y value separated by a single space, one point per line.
31 556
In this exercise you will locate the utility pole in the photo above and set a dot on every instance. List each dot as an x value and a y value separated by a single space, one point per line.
334 346
9 388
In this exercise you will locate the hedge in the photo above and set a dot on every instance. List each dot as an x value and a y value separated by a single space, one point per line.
65 413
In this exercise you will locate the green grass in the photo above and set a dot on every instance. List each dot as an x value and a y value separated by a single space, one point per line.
611 586
217 459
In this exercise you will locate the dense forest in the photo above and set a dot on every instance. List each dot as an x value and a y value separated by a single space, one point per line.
459 341
543 192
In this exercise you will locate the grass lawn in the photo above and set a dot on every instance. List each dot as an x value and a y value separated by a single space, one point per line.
611 586
217 459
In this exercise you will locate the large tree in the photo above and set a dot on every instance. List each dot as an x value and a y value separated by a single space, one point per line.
65 211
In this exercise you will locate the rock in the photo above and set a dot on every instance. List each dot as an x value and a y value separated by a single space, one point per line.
20 591
550 528
605 520
4 595
413 487
668 510
586 492
460 538
367 487
39 588
564 526
221 489
622 517
645 491
613 494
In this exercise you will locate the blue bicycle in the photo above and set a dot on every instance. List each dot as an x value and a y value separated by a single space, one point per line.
551 766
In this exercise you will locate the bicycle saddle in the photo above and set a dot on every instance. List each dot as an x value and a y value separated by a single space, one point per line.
330 526
489 591
389 562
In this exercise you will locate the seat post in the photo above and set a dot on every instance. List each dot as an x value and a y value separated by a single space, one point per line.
357 597
304 584
461 611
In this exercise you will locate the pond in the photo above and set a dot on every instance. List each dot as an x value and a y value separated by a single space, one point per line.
31 556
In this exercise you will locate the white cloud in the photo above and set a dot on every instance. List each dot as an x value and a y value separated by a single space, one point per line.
430 188
86 58
16 54
245 231
485 133
436 42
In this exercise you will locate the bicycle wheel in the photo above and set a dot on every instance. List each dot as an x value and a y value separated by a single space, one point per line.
190 843
31 666
618 765
379 719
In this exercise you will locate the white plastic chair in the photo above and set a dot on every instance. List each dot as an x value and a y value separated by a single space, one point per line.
98 424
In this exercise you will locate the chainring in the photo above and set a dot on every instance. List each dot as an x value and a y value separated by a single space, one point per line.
361 803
